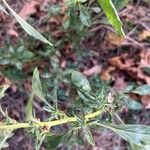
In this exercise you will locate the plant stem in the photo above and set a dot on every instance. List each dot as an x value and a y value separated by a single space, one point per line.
50 123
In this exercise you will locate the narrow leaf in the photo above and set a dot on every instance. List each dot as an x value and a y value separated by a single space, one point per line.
4 135
29 109
27 27
3 9
3 88
142 90
88 136
36 85
112 15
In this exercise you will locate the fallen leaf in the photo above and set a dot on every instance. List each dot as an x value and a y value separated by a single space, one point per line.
113 38
13 33
146 101
121 62
106 74
144 63
144 35
120 83
28 9
94 70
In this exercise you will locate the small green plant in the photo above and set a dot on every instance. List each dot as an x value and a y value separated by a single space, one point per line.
89 104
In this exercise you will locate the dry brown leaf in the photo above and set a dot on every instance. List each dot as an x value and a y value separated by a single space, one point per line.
113 38
120 83
106 75
144 63
146 101
144 35
28 9
121 62
13 33
94 70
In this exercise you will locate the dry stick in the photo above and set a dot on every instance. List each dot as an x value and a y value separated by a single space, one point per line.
50 123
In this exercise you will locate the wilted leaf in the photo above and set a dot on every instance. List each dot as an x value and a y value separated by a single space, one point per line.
132 104
112 15
137 134
3 88
80 81
142 90
28 28
36 85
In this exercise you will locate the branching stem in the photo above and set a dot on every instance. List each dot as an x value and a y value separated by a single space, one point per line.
50 123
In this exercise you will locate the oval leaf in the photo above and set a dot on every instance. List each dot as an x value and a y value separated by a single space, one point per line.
80 81
142 90
85 17
132 104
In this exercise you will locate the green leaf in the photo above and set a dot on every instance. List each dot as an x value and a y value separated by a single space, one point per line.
119 4
137 134
36 85
29 109
3 88
112 15
142 90
88 136
4 135
85 17
96 9
146 70
27 27
80 81
139 147
132 104
51 142
3 9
